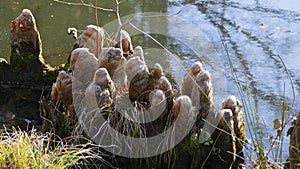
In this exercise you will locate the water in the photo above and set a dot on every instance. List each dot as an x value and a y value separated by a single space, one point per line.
256 33
260 36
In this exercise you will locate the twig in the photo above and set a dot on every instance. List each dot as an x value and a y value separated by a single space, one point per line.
117 11
82 3
203 165
123 1
97 23
277 136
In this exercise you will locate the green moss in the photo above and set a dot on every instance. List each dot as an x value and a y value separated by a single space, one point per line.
55 120
217 151
28 65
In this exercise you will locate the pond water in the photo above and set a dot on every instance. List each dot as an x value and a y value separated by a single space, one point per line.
262 39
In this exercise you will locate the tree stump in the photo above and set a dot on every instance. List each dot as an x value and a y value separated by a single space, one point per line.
26 47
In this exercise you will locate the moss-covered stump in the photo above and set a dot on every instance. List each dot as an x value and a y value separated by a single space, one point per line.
26 47
27 77
27 66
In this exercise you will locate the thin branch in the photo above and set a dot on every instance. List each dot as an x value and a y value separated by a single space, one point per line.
207 157
82 3
97 23
123 1
117 11
276 139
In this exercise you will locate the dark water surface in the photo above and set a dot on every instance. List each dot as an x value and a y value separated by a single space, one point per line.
255 32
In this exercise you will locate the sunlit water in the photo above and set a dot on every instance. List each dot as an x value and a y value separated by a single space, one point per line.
262 38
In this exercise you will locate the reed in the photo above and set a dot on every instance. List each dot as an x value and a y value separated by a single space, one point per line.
259 153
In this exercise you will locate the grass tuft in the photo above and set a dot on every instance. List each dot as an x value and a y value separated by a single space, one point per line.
32 149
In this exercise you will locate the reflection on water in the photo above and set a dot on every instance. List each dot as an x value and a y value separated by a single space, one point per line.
256 33
53 19
259 36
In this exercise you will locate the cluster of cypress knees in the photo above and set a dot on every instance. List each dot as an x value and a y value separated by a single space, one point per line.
99 81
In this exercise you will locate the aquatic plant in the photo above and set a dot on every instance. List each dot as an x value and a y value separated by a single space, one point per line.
260 154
